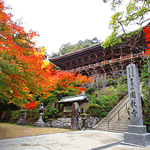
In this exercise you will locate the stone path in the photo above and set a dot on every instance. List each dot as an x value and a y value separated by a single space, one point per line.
54 140
75 140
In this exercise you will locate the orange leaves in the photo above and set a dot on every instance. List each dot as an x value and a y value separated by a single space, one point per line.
32 34
31 106
83 79
3 115
20 66
64 81
147 39
24 70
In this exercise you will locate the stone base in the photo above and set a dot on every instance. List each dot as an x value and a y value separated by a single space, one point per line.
135 145
40 124
22 122
137 139
139 129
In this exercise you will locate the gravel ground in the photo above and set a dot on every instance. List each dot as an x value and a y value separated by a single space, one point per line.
12 130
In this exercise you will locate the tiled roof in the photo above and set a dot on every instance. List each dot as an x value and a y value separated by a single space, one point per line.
81 97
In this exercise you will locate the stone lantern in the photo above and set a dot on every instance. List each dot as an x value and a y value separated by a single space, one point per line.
40 122
84 118
22 120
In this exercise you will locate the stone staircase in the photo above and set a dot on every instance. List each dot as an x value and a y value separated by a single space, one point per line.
117 119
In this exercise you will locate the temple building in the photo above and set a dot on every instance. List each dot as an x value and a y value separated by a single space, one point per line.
112 61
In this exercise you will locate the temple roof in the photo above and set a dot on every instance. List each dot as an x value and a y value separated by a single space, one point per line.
81 97
75 54
104 60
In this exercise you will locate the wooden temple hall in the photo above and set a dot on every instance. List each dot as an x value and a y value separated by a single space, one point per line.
112 61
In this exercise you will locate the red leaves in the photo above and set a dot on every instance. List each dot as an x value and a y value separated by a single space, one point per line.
3 115
81 88
147 39
68 81
24 70
31 106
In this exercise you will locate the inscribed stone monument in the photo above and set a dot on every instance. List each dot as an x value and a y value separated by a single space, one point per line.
75 117
137 134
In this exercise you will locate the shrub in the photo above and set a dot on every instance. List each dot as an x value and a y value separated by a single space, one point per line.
50 112
112 82
96 111
146 114
122 90
32 116
15 116
122 80
6 115
84 107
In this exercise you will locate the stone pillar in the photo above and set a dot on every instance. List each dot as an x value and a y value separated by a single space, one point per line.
137 134
75 117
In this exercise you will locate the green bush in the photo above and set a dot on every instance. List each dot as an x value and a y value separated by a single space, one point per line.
122 91
108 98
50 112
96 111
6 117
32 116
7 109
112 82
122 80
15 116
146 114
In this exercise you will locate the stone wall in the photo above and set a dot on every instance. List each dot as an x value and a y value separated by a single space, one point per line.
65 123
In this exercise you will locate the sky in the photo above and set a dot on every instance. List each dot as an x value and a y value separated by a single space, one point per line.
62 21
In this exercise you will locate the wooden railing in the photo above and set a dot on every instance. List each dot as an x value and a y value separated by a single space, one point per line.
106 62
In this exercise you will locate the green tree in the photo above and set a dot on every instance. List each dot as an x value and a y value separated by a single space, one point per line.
136 13
68 48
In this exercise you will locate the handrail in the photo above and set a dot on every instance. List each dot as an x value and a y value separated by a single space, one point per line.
116 113
112 111
119 104
120 109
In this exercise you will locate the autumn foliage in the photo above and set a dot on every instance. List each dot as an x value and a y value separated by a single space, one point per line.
3 115
147 39
23 71
31 106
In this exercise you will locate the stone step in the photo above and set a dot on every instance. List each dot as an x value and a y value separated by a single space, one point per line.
106 129
118 131
104 125
113 130
118 124
118 128
115 124
112 127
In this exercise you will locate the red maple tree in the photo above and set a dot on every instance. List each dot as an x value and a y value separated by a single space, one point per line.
22 70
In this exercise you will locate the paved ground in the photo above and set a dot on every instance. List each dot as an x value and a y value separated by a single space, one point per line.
74 140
